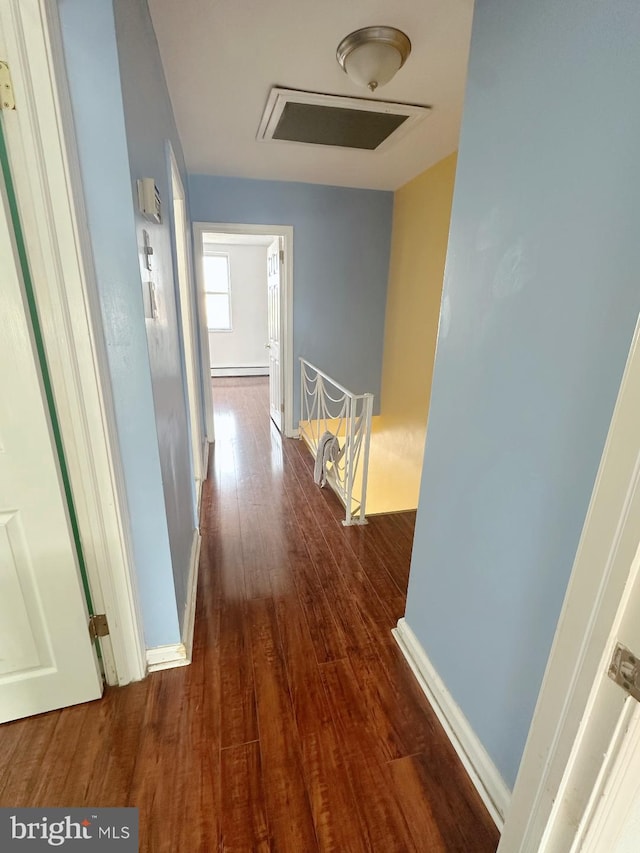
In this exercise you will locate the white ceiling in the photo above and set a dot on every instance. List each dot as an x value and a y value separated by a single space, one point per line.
221 58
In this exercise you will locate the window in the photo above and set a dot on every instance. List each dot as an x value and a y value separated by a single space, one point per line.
217 288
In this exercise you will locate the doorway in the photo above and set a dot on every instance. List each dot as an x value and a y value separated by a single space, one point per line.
250 325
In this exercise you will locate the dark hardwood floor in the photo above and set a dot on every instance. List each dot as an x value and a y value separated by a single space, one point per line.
298 726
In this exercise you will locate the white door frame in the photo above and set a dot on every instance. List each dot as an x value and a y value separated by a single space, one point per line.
188 324
286 297
601 572
276 408
615 804
46 173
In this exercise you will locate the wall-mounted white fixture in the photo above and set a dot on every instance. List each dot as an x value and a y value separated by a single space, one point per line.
371 56
149 200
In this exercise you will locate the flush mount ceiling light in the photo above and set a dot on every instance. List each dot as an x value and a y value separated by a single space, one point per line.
371 56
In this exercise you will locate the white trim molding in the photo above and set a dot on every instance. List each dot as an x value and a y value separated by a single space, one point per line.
180 654
482 771
205 457
46 172
167 657
188 319
239 371
285 231
615 800
189 618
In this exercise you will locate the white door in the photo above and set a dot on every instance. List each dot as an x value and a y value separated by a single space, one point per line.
563 789
274 277
615 823
612 818
46 658
597 765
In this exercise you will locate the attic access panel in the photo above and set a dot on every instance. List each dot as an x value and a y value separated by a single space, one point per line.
320 125
315 119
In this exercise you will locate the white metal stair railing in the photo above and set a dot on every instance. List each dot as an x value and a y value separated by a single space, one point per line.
326 406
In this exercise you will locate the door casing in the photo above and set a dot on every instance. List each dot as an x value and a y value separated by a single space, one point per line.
286 298
189 324
274 330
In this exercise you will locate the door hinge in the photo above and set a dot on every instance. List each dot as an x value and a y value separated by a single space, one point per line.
624 669
7 99
281 256
282 408
98 626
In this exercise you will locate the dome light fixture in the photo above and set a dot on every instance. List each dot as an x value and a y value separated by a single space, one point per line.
371 56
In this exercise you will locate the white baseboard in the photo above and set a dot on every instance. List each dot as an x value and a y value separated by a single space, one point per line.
205 458
166 657
240 371
179 654
474 757
205 473
199 485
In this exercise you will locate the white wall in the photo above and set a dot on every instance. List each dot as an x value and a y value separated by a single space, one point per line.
244 346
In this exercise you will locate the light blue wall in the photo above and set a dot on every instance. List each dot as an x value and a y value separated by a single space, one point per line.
149 123
540 301
91 55
341 245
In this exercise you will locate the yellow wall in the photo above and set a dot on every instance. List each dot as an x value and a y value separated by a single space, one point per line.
421 214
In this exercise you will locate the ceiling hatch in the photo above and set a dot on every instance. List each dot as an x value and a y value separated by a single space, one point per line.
315 119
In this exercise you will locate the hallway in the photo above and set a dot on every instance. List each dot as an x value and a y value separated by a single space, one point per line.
298 726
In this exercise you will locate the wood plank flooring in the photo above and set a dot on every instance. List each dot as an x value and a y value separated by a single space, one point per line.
298 727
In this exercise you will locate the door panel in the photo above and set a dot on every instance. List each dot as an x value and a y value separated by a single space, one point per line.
22 641
274 278
193 365
46 657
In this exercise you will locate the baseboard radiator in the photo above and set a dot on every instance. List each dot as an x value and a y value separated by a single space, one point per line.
328 407
244 370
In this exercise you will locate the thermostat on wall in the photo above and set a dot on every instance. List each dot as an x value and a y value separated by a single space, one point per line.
149 199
